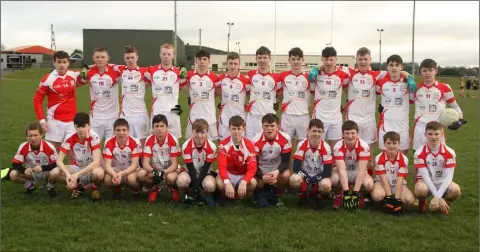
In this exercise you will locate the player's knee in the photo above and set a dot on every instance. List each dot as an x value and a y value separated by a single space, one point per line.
220 184
132 180
14 175
183 180
285 176
252 185
408 198
325 185
453 192
295 181
259 183
171 178
141 175
335 178
420 190
368 183
208 186
53 174
378 194
98 174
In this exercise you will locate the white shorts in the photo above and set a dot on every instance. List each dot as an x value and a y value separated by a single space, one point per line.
223 131
235 179
295 125
58 130
139 126
38 176
85 179
212 131
103 127
254 125
404 139
333 131
174 126
368 131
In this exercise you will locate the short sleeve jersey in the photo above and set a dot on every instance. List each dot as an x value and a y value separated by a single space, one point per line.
392 168
160 152
122 156
435 163
30 158
313 158
270 152
199 156
82 149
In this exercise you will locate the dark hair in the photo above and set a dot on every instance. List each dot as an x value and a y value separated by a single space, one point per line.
120 122
130 49
428 63
81 119
392 135
34 126
329 52
100 49
202 53
270 118
159 118
317 123
349 125
199 125
236 121
296 51
263 50
233 56
433 125
363 51
395 59
60 55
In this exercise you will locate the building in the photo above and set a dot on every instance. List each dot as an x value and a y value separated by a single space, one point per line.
191 50
23 57
147 42
76 60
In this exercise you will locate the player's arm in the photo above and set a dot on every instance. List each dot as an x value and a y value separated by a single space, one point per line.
146 163
48 167
342 173
423 172
108 166
402 175
38 98
60 164
297 168
285 163
448 172
94 164
362 169
259 174
132 168
251 167
385 184
222 164
326 173
18 167
174 165
203 173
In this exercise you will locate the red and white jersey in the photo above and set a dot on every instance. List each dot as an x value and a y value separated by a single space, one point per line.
392 168
133 90
60 92
435 163
313 158
270 152
430 101
237 161
103 92
165 88
263 92
82 149
122 156
234 93
207 153
160 152
396 104
202 94
328 96
30 158
361 151
296 93
362 97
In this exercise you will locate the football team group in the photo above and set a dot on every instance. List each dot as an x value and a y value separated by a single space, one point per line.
333 156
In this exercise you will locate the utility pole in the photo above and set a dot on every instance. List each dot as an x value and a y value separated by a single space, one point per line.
53 47
413 41
175 33
238 44
200 38
228 39
380 43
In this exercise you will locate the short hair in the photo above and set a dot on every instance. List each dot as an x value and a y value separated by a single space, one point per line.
428 63
296 51
329 52
81 119
395 59
236 121
120 122
159 118
34 126
60 55
199 125
317 123
270 118
433 125
349 125
363 51
130 49
167 46
100 49
233 56
392 135
263 50
202 53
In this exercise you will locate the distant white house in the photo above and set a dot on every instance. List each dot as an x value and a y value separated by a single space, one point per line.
22 57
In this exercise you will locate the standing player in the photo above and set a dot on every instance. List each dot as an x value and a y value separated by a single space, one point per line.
34 161
436 164
201 84
475 85
351 156
296 97
121 154
163 150
232 89
165 79
312 165
59 87
273 149
431 99
264 90
468 85
85 145
237 163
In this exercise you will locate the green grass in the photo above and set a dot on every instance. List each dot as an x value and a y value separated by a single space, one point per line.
38 223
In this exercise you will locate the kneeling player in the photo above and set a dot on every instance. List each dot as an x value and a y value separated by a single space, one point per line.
237 163
436 164
85 145
273 149
34 162
198 154
121 154
351 157
392 171
313 165
163 150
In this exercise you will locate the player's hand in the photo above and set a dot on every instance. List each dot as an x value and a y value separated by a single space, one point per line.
189 101
312 75
434 204
117 178
275 106
412 85
158 177
242 189
83 72
444 207
347 199
456 125
44 126
28 171
177 109
73 181
183 73
303 175
37 169
355 200
219 106
229 191
380 108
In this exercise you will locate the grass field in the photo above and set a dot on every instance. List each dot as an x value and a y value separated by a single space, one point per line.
38 223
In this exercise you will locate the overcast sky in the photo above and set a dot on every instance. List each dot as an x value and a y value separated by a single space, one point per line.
448 32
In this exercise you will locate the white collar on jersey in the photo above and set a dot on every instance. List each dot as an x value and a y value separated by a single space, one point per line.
264 138
195 72
258 72
41 146
319 147
126 143
241 145
106 68
128 69
356 144
204 145
397 158
165 69
440 150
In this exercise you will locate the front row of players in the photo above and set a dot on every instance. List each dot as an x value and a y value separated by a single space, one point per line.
259 166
